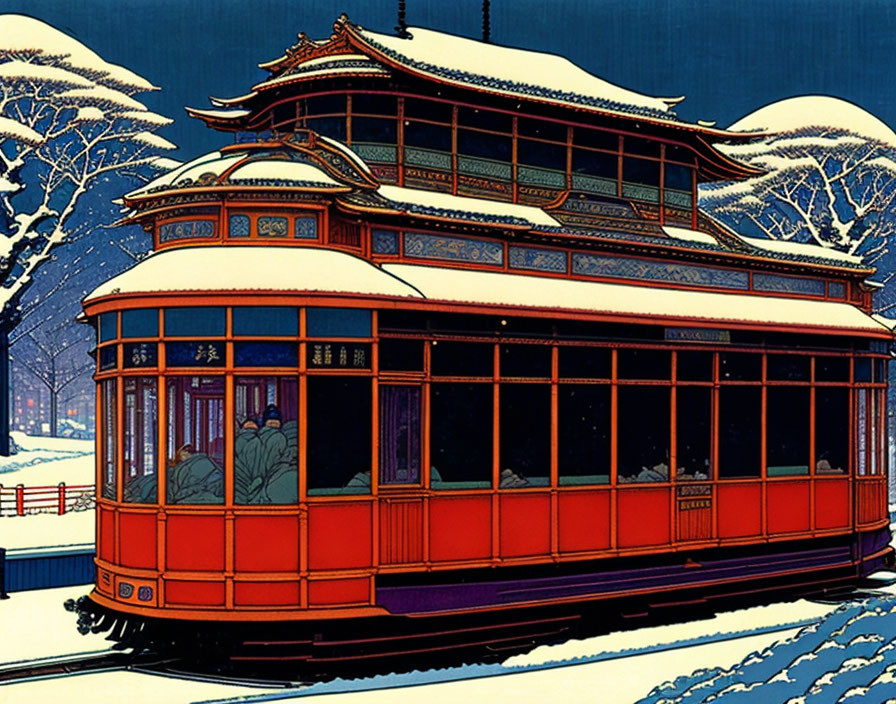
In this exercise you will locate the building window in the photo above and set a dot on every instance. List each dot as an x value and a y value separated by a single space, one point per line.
195 473
140 440
693 430
338 445
583 434
461 436
644 433
265 444
399 434
740 431
109 401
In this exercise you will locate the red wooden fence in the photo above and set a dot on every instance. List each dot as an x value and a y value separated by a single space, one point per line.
59 499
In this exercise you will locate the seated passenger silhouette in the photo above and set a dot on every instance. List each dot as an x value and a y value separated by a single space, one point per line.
194 478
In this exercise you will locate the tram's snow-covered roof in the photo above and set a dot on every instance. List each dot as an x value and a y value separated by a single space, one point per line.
288 270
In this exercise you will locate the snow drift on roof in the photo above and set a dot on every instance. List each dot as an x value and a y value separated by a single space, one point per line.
287 173
213 162
247 269
510 71
801 249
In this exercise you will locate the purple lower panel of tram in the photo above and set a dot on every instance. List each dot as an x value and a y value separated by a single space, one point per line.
441 597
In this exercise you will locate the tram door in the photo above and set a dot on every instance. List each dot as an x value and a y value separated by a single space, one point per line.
400 476
693 465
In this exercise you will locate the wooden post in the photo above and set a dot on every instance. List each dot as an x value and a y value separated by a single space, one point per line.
61 497
20 500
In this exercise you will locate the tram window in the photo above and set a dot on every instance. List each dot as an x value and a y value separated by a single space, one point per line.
526 360
109 401
831 430
694 366
108 326
678 177
339 444
787 429
401 355
142 322
644 433
641 171
427 110
140 441
399 434
482 144
338 322
644 364
734 366
265 354
422 134
788 367
265 320
595 163
461 436
525 417
195 407
584 362
382 130
583 434
182 322
862 370
740 431
462 359
108 357
543 154
693 418
265 441
832 368
374 104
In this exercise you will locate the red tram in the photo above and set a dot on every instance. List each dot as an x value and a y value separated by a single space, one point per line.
449 336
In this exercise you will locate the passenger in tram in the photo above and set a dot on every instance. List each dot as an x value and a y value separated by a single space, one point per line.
141 489
360 481
265 460
194 478
511 480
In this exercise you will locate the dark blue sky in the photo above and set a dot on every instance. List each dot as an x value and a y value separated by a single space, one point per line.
727 57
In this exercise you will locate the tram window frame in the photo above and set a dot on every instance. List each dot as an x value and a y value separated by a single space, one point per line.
461 435
694 365
462 359
739 445
644 433
265 321
195 321
788 367
644 364
832 431
740 367
787 428
398 355
693 429
525 361
524 418
832 368
325 322
140 440
107 327
140 322
584 433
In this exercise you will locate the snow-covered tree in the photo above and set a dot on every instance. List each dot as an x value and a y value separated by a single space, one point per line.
830 177
68 122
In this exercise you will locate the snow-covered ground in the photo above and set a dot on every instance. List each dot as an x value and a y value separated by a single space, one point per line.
43 461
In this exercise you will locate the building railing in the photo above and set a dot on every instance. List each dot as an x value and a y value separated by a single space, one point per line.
22 500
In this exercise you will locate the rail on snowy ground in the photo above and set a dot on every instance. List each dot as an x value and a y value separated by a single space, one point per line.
21 500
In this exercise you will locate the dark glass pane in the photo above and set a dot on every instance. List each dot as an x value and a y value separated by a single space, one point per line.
325 104
526 360
694 432
583 434
265 441
195 416
788 367
488 146
832 369
787 428
740 429
543 154
382 130
427 110
831 430
329 126
265 354
595 163
338 452
462 359
108 326
194 354
265 320
641 171
421 134
862 370
338 322
641 147
485 119
374 104
461 436
194 321
678 177
140 441
585 362
734 366
108 357
401 355
644 433
677 153
644 364
399 434
542 129
596 139
140 354
143 322
694 366
525 416
880 371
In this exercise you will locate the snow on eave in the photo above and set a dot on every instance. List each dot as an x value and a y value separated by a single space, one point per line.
346 151
889 323
801 249
688 235
330 71
218 114
223 102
